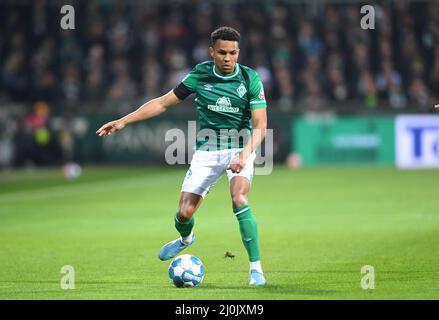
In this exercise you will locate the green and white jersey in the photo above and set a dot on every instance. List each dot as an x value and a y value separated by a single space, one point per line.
224 103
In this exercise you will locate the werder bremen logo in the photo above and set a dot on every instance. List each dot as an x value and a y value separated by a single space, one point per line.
223 104
241 90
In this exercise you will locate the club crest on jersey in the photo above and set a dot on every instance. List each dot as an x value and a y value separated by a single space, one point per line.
223 104
241 90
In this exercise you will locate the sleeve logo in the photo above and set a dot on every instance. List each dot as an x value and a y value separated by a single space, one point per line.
261 94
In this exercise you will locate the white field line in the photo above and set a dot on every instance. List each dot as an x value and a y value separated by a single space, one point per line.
144 181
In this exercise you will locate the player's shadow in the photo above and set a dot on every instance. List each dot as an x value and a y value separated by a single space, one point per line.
269 288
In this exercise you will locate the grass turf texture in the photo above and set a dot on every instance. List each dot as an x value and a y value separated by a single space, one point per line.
318 227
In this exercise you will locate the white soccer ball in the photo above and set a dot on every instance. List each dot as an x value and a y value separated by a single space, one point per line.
186 271
72 170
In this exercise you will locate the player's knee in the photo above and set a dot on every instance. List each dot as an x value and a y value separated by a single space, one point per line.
239 200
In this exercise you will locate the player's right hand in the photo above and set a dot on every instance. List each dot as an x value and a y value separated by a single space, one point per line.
110 128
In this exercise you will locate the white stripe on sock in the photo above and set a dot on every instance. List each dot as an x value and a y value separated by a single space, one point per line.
241 211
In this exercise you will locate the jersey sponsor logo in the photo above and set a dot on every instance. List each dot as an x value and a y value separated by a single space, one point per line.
223 104
241 90
261 93
208 86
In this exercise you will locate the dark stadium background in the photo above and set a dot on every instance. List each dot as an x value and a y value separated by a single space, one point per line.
312 56
352 112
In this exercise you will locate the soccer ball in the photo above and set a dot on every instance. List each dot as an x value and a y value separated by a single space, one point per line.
186 271
71 171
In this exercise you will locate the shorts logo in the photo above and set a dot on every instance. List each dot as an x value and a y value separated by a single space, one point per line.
241 90
223 104
188 174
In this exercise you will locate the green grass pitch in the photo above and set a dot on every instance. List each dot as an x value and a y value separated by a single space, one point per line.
317 227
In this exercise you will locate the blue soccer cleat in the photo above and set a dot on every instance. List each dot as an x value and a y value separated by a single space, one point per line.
171 249
257 278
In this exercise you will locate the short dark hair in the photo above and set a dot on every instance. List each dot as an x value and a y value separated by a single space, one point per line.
224 33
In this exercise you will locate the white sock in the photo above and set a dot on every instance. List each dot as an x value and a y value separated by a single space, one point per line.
188 239
256 265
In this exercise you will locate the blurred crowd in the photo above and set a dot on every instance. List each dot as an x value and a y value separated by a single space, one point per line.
308 54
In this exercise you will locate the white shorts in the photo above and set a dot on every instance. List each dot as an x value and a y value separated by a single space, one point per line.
207 167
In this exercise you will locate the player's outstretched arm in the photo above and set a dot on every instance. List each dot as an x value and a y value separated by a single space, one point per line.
148 110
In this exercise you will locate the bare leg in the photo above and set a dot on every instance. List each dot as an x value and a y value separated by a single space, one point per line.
189 203
239 189
184 223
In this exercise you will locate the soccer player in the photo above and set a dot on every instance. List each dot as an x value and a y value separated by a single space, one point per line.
229 96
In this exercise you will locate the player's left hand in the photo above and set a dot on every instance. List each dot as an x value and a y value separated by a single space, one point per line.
237 164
